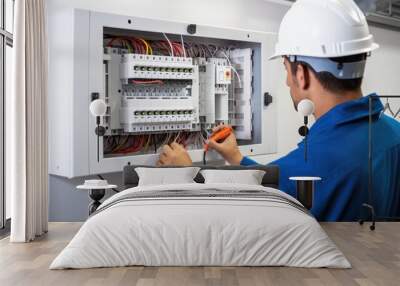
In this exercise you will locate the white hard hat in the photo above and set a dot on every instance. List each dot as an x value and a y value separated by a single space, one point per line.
324 29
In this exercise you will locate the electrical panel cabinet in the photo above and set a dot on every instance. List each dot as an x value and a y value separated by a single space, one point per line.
160 84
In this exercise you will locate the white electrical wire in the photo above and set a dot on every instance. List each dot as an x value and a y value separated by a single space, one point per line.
209 51
238 76
170 44
177 136
183 46
203 50
215 51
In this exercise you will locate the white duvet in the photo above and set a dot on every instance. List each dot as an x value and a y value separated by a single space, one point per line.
200 231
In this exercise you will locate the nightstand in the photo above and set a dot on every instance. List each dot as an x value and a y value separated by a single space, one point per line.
96 190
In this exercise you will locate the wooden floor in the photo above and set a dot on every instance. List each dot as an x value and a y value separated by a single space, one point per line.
375 257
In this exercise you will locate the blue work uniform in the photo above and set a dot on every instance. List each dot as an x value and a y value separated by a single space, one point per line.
338 153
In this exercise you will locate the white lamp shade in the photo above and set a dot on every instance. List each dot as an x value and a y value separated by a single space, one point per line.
305 107
98 107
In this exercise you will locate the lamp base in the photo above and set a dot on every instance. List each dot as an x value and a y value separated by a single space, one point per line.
305 190
96 195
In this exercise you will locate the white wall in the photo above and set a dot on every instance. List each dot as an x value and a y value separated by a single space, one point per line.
382 71
383 68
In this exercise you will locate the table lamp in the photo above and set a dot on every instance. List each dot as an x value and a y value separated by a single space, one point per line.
98 108
305 108
305 185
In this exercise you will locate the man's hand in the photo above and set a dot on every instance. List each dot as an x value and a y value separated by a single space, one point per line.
174 155
228 148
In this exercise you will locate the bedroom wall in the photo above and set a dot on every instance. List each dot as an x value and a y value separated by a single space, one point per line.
68 204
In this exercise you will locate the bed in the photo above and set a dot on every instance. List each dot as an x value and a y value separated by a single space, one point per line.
201 224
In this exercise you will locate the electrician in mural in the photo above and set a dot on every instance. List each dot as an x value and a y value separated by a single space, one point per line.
325 46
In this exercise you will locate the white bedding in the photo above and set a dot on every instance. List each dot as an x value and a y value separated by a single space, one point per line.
200 231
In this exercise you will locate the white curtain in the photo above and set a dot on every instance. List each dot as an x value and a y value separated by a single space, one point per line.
26 119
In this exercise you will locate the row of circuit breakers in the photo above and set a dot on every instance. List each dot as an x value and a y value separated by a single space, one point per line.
154 93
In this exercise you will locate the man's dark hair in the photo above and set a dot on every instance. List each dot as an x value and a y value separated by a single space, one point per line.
330 82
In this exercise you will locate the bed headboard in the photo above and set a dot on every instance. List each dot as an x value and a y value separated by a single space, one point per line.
130 178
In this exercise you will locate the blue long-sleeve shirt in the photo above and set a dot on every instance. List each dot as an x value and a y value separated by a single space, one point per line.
338 153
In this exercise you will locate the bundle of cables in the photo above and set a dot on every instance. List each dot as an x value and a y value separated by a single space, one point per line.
125 144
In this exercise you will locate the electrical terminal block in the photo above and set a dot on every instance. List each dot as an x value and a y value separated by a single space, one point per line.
170 90
137 66
131 117
156 128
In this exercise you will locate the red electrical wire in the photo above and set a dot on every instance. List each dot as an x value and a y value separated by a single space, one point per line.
176 51
139 46
183 138
135 46
178 48
122 41
137 146
163 45
112 41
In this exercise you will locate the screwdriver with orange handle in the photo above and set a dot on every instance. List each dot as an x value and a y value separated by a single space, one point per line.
217 136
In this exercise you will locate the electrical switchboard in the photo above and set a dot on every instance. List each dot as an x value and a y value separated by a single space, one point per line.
161 84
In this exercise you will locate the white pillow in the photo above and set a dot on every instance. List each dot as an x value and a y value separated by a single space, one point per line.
248 177
166 176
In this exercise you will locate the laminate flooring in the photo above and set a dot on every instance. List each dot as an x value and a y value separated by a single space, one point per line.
374 255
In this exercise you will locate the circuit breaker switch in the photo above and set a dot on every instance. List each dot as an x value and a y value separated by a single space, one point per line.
223 75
